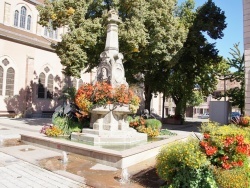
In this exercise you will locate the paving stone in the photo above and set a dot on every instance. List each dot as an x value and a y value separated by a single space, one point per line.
18 173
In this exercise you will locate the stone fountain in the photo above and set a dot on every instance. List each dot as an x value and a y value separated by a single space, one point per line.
108 125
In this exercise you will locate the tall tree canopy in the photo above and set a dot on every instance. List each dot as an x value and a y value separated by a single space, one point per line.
199 61
150 34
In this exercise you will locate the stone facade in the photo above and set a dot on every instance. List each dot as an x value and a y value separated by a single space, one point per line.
246 19
31 78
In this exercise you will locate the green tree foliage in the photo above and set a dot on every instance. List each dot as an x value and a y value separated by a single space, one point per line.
150 34
237 94
196 98
199 62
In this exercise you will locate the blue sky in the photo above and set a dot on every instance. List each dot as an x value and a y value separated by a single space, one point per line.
234 18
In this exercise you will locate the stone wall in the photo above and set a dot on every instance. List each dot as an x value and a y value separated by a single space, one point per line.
246 18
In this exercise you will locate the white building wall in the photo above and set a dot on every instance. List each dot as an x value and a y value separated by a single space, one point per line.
246 19
29 61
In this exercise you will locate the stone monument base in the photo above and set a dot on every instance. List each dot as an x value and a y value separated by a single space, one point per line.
108 126
105 137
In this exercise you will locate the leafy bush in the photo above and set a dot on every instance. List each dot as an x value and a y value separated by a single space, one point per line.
234 178
136 122
139 123
153 124
182 164
219 133
67 125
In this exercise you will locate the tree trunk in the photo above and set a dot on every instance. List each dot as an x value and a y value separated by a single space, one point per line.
163 102
180 107
148 97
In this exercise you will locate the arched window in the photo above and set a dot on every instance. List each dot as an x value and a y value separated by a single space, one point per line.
80 83
16 18
28 22
1 80
10 78
74 83
41 86
50 87
23 17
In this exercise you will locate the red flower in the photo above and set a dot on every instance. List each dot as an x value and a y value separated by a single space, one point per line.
226 166
211 150
228 141
244 149
206 135
224 158
240 139
204 144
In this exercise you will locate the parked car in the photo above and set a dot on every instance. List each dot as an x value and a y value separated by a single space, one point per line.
204 116
235 116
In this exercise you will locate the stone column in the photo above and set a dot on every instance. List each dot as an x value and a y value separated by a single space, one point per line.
112 45
246 18
29 86
7 19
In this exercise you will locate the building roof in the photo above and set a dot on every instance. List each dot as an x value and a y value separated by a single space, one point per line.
24 37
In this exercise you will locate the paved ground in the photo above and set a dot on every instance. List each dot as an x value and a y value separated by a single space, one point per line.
20 164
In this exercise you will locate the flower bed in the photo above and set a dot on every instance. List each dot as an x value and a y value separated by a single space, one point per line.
219 159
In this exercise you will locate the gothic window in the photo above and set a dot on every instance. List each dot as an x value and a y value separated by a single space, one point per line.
80 83
41 86
10 78
16 16
28 22
49 32
50 87
1 80
23 17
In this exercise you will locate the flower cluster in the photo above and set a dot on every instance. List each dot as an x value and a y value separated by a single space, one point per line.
242 121
51 130
137 122
232 152
102 93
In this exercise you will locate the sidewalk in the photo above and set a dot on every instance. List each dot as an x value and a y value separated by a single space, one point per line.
20 169
23 165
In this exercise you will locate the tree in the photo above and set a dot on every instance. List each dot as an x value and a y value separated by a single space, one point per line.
199 61
149 36
237 94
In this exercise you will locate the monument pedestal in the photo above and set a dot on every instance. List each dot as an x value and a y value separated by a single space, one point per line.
110 127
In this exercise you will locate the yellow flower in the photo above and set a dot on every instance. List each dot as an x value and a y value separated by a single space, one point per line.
70 11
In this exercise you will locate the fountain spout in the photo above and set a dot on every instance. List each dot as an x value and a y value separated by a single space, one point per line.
65 158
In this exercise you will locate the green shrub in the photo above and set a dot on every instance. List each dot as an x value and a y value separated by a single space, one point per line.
234 178
153 124
182 164
219 133
67 125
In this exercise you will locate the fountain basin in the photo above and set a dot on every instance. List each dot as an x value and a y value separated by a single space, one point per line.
109 157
